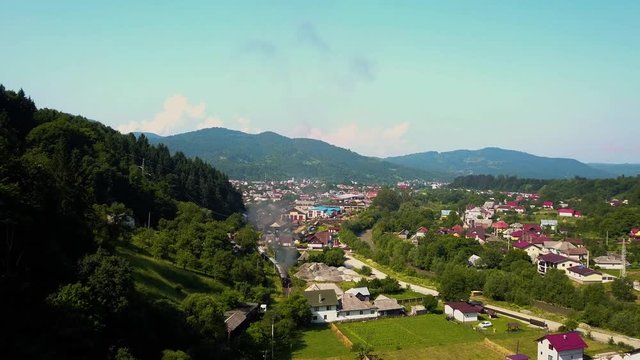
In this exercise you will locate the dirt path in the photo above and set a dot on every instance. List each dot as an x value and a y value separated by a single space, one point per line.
367 236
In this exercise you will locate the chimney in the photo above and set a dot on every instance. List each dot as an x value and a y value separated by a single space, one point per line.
320 300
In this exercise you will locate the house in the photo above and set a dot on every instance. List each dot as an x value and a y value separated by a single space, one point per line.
531 249
297 214
474 260
322 211
324 305
418 310
547 204
554 261
461 311
500 226
361 293
352 308
635 233
477 233
532 229
403 234
445 213
387 306
566 212
563 346
579 254
611 261
240 317
422 231
326 286
320 240
549 224
583 275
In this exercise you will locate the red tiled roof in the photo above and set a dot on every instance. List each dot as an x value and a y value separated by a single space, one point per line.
500 225
463 307
565 341
566 211
522 244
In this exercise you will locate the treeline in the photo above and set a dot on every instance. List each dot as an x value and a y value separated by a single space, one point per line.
498 183
71 190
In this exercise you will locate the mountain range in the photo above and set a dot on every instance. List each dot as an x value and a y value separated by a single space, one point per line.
272 156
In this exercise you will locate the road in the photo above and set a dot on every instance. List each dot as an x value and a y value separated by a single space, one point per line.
352 263
597 334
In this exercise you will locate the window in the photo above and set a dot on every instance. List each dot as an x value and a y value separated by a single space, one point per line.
348 313
550 357
316 308
315 318
325 317
361 312
550 347
372 311
329 307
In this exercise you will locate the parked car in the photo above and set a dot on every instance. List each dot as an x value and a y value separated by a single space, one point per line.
485 324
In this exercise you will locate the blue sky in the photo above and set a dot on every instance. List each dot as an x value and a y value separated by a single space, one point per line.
554 78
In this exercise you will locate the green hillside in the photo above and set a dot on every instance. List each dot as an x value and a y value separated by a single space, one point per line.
495 161
272 156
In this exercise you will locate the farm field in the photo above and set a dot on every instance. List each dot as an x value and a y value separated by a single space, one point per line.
428 337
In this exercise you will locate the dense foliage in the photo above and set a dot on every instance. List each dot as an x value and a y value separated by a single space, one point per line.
71 193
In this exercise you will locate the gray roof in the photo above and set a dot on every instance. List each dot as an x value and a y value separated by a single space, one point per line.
359 290
350 303
384 303
321 297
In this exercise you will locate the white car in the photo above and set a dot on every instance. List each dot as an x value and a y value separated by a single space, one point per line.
485 324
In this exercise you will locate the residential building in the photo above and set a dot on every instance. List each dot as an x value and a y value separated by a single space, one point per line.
554 261
324 305
584 275
549 224
353 308
461 311
611 261
361 293
563 346
387 306
531 249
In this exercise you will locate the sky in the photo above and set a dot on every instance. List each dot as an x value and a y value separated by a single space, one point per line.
382 78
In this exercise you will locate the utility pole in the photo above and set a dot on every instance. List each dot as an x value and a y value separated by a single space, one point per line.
607 240
272 334
623 270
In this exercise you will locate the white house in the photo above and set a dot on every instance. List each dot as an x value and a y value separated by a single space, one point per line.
461 311
554 261
550 224
352 308
324 305
611 261
563 346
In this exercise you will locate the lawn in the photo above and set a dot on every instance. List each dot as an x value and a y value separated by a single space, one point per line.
319 342
409 332
160 279
429 283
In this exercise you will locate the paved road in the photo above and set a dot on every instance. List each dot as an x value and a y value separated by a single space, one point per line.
352 263
597 334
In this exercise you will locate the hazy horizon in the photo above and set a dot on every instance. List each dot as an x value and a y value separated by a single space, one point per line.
554 79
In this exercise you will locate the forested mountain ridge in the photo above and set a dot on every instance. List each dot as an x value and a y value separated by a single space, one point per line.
496 161
69 190
273 156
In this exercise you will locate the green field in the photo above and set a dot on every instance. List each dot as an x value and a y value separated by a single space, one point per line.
409 332
427 337
319 342
161 279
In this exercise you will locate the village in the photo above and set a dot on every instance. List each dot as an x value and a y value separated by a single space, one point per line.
307 216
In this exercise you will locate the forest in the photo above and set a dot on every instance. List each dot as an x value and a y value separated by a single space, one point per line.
74 194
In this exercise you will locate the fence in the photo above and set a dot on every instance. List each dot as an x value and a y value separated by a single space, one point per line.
343 339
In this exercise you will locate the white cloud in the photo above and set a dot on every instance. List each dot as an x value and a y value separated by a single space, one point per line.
375 141
179 115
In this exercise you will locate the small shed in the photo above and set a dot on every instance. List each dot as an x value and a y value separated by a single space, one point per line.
418 310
